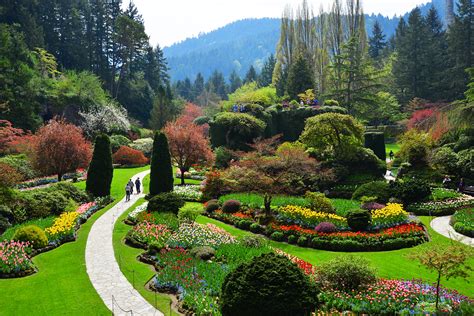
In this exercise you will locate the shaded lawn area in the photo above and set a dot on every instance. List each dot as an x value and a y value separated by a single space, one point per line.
394 147
136 272
389 264
62 286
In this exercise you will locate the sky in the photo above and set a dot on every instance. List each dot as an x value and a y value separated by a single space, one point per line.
171 21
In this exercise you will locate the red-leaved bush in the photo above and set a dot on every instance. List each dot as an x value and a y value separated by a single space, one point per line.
11 138
422 119
325 227
61 148
129 156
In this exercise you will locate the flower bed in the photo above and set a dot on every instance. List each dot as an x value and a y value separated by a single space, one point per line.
132 216
463 222
442 208
393 297
189 192
194 235
63 228
32 183
146 233
390 229
15 260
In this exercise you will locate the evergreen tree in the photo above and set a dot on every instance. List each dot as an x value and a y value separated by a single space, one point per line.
300 78
198 86
461 48
410 64
101 170
377 42
235 82
265 78
216 84
164 109
251 75
435 56
161 170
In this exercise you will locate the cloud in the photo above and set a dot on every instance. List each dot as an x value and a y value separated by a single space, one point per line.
172 21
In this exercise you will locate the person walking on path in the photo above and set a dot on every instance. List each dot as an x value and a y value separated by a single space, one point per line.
138 185
391 155
127 192
461 185
131 185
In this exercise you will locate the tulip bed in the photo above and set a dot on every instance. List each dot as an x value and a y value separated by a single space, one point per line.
15 259
442 207
463 222
394 297
390 228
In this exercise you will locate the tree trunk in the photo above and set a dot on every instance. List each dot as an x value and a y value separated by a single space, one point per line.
182 176
60 177
437 291
267 201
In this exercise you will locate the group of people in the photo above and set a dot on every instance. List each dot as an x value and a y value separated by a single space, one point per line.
239 108
129 188
447 183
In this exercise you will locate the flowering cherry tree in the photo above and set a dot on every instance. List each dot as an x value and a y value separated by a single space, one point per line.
105 119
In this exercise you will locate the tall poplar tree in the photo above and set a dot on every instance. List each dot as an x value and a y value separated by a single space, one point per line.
161 170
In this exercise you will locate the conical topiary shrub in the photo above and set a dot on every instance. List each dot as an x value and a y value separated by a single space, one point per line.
101 170
161 171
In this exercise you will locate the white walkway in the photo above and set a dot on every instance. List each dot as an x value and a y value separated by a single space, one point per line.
441 226
104 272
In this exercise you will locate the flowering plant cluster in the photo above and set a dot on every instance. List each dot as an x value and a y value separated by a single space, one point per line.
391 215
307 267
14 257
444 207
292 214
63 227
146 232
85 207
193 235
463 222
32 183
188 192
137 210
393 297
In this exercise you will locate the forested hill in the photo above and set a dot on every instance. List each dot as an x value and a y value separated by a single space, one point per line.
247 42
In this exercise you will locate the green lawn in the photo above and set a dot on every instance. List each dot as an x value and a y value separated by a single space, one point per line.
389 264
136 272
62 286
40 222
394 147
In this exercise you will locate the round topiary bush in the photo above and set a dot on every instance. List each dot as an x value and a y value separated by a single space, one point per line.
211 206
411 190
318 202
267 285
203 252
166 202
325 227
32 233
358 220
377 189
302 241
231 206
292 239
346 273
253 241
278 236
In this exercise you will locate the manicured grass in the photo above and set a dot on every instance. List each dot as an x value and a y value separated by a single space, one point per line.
40 222
256 200
342 206
394 147
389 264
62 286
137 273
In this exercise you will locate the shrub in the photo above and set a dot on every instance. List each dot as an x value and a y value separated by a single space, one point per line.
211 206
203 252
378 189
278 236
161 171
253 241
117 141
302 241
165 202
325 227
292 239
223 157
372 206
41 203
411 190
231 206
70 191
33 234
358 220
318 202
101 170
346 273
22 164
145 145
255 228
189 213
273 286
129 157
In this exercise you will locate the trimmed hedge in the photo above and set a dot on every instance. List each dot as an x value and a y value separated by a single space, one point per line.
376 142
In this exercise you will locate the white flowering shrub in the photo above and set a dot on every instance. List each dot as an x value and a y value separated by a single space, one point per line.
145 145
188 192
105 119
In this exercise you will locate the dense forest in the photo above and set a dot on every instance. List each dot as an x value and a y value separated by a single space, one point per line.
241 44
69 57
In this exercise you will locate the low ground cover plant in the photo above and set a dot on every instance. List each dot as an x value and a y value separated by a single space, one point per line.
463 222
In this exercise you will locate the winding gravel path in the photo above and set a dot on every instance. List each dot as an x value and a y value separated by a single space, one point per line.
104 272
441 226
